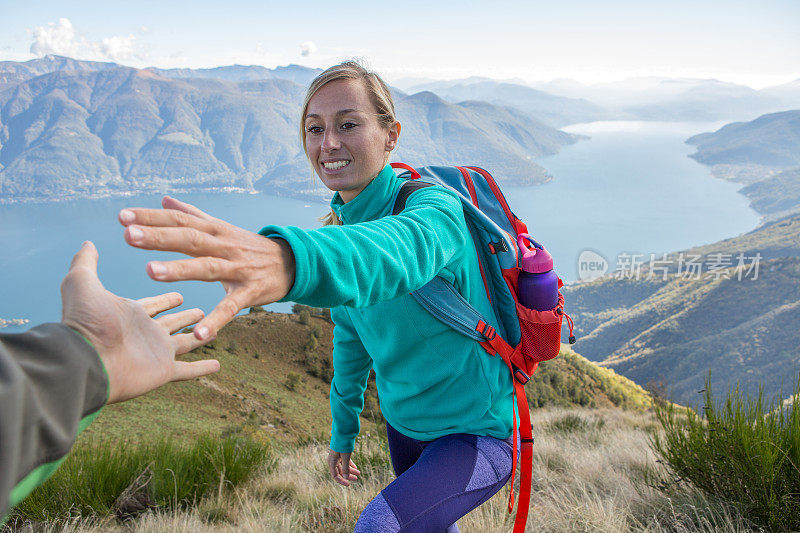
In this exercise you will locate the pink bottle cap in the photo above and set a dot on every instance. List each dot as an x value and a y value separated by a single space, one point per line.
536 260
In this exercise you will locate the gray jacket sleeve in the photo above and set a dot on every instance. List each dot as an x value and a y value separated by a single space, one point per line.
52 384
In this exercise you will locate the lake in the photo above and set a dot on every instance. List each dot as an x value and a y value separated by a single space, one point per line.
630 188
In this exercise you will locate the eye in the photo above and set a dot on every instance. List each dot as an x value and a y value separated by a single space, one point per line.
313 130
348 125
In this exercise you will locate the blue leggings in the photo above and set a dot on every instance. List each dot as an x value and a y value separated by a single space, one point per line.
437 482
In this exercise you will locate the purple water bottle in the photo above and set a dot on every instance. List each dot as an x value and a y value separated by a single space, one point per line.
538 283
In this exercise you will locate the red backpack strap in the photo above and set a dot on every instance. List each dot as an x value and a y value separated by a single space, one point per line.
496 345
526 465
414 174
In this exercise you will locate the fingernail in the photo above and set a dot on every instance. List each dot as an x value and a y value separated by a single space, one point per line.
202 331
127 215
158 269
135 233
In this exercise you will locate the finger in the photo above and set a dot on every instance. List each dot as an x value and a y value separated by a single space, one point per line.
184 370
164 218
221 315
171 203
200 268
189 241
177 321
163 302
340 479
186 342
354 469
86 257
332 465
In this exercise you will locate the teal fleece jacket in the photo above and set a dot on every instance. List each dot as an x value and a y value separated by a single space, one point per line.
431 380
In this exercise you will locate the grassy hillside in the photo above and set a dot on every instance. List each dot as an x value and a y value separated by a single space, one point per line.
592 471
775 195
274 375
258 353
675 328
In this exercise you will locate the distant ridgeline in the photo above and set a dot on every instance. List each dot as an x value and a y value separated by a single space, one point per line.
764 154
73 128
732 307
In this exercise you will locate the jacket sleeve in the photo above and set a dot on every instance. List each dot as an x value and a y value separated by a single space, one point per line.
361 264
52 385
351 366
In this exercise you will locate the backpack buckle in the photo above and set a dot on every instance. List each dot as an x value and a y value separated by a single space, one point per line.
486 330
497 247
521 376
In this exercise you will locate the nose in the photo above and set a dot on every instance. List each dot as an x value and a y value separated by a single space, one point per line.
330 141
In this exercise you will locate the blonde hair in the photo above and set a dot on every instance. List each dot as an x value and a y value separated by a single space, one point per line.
379 95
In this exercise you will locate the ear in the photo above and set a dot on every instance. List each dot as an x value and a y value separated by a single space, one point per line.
393 135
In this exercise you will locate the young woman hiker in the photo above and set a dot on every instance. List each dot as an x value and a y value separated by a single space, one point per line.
447 403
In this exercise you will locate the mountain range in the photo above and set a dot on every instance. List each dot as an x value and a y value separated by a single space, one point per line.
555 110
671 320
763 154
563 102
75 129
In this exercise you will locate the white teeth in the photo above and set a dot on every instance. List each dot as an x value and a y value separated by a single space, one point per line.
335 165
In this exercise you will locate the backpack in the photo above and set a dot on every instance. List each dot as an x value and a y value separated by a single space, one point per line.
522 337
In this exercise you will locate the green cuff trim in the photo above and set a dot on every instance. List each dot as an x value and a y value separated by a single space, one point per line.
40 474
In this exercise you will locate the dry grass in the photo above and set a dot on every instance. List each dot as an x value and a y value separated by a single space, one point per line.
591 473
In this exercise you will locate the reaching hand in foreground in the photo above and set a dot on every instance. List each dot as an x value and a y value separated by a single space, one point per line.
253 270
137 350
343 469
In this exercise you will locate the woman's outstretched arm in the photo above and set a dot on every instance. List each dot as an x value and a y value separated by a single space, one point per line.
253 270
355 265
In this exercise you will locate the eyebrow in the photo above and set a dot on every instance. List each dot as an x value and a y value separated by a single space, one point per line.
338 113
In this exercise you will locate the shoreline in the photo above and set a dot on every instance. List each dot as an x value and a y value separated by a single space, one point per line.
10 322
73 197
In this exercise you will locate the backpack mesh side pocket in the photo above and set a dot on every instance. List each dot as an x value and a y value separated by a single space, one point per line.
541 331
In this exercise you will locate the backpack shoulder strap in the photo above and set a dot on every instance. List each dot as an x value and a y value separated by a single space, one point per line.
405 191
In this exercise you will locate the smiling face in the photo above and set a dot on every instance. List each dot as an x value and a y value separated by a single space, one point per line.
345 143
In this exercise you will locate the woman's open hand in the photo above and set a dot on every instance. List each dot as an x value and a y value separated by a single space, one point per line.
343 469
254 270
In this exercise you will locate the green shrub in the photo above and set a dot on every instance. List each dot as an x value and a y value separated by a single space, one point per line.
572 423
743 451
297 308
311 344
317 364
163 473
292 381
303 316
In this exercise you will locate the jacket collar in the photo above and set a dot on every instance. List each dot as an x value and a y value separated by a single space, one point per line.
371 203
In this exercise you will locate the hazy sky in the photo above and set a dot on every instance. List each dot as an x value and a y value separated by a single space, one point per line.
751 42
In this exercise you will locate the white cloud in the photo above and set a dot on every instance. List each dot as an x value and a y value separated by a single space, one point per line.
55 38
61 38
119 48
307 48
